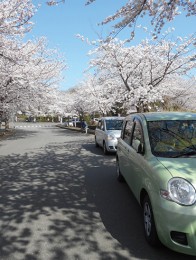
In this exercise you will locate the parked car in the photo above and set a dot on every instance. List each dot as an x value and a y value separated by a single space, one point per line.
156 156
107 132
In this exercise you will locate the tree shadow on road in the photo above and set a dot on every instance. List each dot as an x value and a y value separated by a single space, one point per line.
13 134
57 201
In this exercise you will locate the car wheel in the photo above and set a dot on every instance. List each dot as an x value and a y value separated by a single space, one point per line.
105 151
120 177
96 144
149 224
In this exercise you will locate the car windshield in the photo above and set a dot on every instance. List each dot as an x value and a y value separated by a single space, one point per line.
172 138
112 124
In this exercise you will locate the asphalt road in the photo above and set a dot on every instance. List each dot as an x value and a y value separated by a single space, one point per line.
60 200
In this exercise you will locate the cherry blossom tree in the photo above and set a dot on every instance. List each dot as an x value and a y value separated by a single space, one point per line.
182 94
144 69
160 11
92 97
88 97
68 102
96 96
15 17
79 100
29 71
15 21
51 3
102 94
28 74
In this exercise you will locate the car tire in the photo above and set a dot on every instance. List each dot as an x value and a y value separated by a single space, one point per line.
105 151
149 224
96 144
120 177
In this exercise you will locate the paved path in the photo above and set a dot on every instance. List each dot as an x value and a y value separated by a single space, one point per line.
60 200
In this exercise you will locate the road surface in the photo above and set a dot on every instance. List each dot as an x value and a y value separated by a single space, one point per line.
60 200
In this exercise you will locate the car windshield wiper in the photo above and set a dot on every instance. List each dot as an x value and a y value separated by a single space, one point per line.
172 133
190 150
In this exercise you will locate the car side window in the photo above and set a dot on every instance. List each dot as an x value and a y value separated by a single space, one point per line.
99 124
127 131
137 139
102 125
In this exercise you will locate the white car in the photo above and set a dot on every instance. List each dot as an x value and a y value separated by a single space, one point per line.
107 133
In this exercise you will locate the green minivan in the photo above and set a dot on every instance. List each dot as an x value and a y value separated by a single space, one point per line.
156 156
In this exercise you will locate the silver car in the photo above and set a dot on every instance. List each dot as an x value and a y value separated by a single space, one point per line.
107 133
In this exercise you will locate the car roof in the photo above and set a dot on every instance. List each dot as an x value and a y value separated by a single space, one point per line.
112 118
156 116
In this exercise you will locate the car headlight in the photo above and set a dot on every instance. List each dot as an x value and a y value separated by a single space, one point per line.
111 137
180 191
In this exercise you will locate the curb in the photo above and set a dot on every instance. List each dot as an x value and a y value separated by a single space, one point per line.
77 129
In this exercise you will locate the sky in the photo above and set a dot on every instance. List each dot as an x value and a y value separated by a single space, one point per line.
60 24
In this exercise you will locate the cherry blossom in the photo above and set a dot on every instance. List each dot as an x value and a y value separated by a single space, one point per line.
160 11
29 71
140 73
15 17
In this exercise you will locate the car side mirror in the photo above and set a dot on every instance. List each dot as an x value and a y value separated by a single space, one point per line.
138 146
140 149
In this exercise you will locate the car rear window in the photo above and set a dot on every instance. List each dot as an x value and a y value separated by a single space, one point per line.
114 124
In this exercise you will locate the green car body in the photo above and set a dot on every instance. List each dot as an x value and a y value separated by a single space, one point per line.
156 155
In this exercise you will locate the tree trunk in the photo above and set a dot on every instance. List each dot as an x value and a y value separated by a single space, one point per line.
142 108
6 125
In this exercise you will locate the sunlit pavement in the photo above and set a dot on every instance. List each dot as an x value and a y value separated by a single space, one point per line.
60 200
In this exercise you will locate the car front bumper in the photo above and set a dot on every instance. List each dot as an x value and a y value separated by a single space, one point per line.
176 226
111 145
